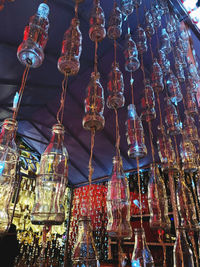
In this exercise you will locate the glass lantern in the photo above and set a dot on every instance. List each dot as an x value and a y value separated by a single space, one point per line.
69 61
118 203
31 50
8 164
51 181
115 88
135 134
94 104
97 30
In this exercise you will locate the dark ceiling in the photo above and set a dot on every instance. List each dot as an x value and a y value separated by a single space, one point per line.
42 93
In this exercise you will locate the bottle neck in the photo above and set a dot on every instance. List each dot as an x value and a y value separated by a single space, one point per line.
7 134
140 241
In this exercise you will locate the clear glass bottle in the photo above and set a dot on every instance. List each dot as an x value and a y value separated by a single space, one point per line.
182 253
171 32
171 118
164 62
157 76
180 57
156 16
165 150
148 102
190 129
179 72
192 85
8 164
190 103
188 155
127 7
97 31
115 23
131 55
31 50
193 72
186 206
157 200
84 252
165 42
150 30
141 254
141 40
94 104
51 181
115 88
135 134
69 61
118 203
173 88
183 45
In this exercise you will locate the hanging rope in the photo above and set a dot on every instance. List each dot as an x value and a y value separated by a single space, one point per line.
62 100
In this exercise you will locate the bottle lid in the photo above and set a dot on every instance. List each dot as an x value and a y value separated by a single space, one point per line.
58 128
10 123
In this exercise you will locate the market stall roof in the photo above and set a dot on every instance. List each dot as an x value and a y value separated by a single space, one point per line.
42 93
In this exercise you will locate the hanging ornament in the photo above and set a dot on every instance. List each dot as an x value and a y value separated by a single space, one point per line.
180 58
171 118
141 40
190 129
8 164
164 62
51 181
127 7
171 32
192 85
157 200
150 30
165 42
156 16
31 50
69 61
157 77
182 253
193 72
173 88
115 88
135 134
183 45
115 23
118 203
148 102
97 30
186 206
141 254
188 155
190 103
165 150
131 55
94 104
179 72
84 253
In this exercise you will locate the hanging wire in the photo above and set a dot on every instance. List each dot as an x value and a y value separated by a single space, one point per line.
96 58
62 100
21 90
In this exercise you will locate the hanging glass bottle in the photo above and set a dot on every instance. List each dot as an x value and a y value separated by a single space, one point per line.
149 24
164 62
192 85
188 155
193 72
127 7
156 16
115 23
141 40
190 103
118 203
97 30
183 45
186 206
157 76
69 61
84 253
131 55
157 200
190 129
94 104
171 32
8 164
141 254
165 150
31 50
115 88
148 102
180 57
182 253
179 72
171 118
173 88
51 181
165 42
135 134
